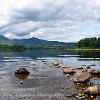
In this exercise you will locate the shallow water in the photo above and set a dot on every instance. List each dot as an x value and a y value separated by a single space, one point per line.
43 78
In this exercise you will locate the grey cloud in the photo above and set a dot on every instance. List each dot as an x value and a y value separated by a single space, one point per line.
59 19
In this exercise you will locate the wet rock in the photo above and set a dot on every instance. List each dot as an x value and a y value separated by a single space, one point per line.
80 96
43 61
55 63
92 65
63 66
94 71
79 68
94 90
88 67
81 76
21 82
22 76
67 75
92 96
94 78
22 70
58 66
69 95
68 71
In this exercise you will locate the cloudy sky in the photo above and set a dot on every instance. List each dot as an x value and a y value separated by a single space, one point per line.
61 20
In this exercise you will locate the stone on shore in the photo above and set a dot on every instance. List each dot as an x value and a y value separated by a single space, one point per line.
81 76
94 90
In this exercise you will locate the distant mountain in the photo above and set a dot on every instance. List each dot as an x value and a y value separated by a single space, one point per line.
33 42
36 41
5 41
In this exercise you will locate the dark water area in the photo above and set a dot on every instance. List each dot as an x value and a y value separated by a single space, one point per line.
35 53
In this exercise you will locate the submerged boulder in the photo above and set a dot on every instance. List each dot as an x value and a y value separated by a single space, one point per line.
81 76
94 90
22 70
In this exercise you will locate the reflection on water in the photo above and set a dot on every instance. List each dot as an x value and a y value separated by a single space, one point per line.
89 54
35 53
70 58
22 76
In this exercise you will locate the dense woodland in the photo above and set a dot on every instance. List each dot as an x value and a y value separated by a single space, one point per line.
89 43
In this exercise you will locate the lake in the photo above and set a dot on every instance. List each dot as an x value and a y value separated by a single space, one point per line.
43 79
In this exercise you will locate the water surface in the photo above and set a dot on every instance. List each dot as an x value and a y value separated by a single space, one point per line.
70 58
43 78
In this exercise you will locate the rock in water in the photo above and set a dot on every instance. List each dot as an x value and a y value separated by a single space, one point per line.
94 90
22 71
94 72
55 63
68 71
21 82
22 76
81 76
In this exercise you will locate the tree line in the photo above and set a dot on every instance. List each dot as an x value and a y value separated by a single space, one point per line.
12 48
89 43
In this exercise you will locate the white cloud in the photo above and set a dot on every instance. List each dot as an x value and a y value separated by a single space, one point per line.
62 20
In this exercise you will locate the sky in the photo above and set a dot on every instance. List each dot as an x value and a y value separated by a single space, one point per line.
54 20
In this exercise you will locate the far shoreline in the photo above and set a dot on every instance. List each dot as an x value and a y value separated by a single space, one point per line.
84 49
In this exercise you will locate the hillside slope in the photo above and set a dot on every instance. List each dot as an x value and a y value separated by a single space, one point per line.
5 41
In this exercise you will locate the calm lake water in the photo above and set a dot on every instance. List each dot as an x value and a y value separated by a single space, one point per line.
43 78
9 60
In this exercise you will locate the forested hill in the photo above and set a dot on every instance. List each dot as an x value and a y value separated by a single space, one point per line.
40 42
89 43
35 42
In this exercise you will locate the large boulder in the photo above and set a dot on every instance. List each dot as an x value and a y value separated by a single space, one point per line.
94 90
22 70
81 76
